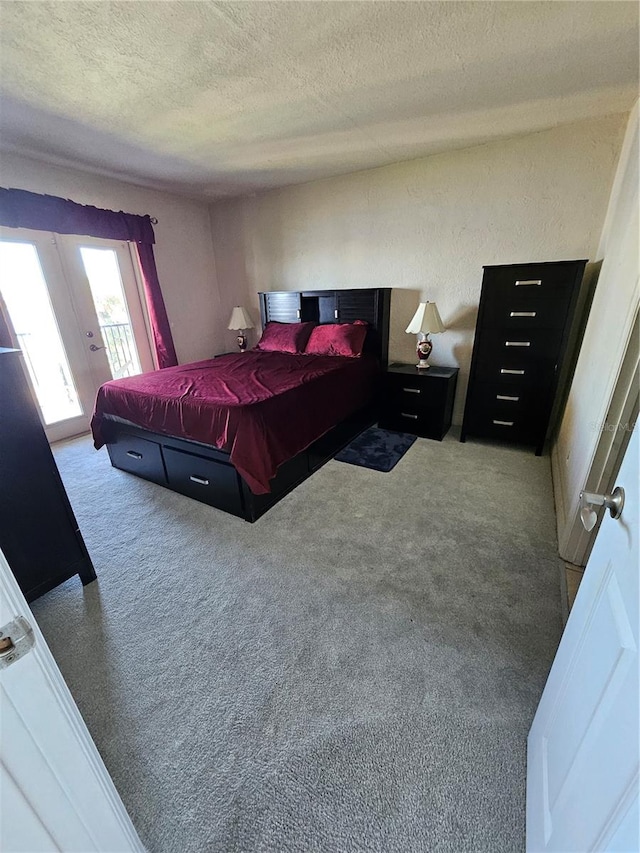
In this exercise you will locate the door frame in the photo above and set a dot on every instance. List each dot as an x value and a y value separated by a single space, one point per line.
617 410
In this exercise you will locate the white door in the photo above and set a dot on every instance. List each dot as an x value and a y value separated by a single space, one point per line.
583 750
55 792
76 312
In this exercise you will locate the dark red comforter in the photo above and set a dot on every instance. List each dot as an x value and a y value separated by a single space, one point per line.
261 407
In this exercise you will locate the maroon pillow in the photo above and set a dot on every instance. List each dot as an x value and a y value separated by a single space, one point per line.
285 337
338 339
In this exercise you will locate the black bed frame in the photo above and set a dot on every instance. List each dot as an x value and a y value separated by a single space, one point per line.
205 473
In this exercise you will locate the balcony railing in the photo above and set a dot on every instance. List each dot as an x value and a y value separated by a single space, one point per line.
121 350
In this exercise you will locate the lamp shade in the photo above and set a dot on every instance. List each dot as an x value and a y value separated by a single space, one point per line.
239 319
426 319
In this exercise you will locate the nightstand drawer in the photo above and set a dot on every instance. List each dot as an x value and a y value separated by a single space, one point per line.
419 397
417 424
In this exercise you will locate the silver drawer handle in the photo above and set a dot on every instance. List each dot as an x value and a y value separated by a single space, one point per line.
530 281
512 372
504 423
517 343
200 480
523 313
406 415
412 390
506 397
134 455
298 313
335 314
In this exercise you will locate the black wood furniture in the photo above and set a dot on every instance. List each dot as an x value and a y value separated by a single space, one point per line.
205 473
418 400
524 320
334 306
39 534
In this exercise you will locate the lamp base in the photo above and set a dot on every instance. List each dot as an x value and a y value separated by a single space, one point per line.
241 341
423 350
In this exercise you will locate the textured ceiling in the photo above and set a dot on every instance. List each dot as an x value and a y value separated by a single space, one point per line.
221 98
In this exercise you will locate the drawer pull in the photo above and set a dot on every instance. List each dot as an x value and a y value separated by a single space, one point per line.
411 390
512 372
134 454
523 313
504 423
336 314
407 415
201 481
507 397
517 343
532 281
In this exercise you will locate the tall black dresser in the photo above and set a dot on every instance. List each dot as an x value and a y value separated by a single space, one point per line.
39 534
524 321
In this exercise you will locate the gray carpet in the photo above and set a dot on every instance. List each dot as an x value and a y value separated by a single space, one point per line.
357 671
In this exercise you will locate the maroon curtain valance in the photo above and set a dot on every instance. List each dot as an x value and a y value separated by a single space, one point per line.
24 209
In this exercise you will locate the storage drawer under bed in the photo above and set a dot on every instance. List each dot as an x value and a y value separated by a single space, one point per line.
138 456
214 483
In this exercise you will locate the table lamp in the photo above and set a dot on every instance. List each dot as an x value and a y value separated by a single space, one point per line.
238 322
426 321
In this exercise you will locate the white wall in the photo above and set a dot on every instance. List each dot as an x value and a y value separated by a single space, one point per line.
183 250
593 417
426 227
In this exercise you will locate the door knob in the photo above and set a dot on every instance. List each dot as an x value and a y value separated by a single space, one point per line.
94 348
614 502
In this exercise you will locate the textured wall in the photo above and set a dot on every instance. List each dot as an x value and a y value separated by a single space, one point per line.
426 227
184 251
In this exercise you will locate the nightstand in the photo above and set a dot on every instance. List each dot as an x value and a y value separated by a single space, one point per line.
419 400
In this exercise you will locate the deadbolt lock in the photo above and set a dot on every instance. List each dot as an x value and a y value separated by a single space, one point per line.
16 639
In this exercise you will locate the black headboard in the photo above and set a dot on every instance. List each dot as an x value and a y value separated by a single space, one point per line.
334 306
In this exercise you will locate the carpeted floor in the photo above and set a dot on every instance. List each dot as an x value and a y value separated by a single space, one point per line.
357 671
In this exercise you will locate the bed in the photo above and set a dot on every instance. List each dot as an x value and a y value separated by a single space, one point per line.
239 431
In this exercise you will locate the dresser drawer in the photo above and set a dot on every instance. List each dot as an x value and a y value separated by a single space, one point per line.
511 370
525 345
138 456
214 483
524 427
531 282
492 398
520 313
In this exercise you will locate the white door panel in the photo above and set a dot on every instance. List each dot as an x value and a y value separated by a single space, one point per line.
56 792
582 787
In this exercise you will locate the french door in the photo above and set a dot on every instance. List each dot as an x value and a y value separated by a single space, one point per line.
76 312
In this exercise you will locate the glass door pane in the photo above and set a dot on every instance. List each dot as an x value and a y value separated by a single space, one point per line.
103 274
26 296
